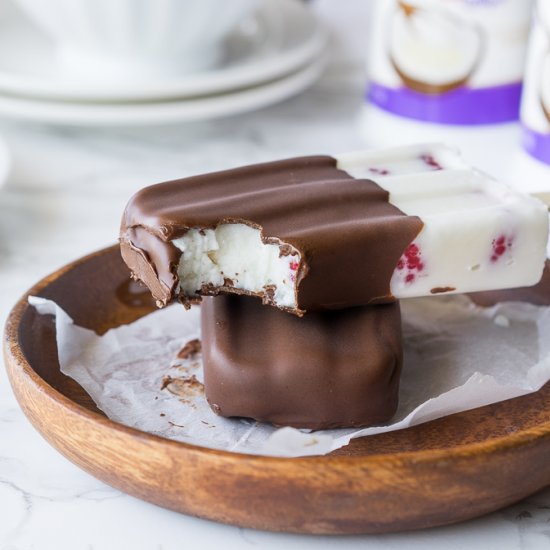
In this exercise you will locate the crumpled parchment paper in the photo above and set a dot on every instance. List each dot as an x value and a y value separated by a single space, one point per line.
457 357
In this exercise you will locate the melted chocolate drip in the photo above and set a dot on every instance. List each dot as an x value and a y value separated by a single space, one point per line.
134 294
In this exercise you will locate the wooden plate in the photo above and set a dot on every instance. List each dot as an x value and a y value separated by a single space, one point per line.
442 472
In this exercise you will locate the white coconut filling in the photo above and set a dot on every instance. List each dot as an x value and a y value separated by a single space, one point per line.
434 47
235 252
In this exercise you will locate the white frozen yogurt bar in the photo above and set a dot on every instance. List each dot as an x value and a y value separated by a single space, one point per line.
478 234
316 233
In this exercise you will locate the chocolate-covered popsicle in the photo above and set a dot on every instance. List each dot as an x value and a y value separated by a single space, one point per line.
328 369
316 233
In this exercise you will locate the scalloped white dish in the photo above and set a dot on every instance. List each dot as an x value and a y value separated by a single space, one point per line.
162 112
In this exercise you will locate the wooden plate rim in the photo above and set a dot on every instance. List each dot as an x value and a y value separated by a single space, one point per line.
15 358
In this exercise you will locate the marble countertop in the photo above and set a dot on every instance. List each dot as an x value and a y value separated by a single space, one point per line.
64 198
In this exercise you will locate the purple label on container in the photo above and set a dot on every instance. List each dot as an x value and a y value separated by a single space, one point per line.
537 144
463 106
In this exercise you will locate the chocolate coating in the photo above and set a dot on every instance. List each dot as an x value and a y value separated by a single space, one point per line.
349 236
326 370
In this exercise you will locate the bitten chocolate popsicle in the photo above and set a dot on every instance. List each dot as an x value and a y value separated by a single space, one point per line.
331 369
316 233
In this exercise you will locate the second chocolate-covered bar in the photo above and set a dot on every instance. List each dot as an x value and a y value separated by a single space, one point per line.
323 232
329 369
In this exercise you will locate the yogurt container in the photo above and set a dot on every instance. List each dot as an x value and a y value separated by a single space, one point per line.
449 61
535 106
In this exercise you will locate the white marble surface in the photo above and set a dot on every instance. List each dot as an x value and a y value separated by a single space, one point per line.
64 199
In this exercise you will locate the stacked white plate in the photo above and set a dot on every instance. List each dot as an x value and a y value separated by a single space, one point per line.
274 55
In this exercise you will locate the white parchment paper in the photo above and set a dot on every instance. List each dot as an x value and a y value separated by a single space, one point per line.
457 357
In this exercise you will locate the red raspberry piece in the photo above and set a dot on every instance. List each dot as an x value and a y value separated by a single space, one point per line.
412 261
500 244
379 171
431 162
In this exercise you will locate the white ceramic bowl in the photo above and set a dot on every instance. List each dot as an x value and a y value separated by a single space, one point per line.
121 39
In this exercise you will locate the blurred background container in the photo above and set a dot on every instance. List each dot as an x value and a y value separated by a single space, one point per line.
535 109
454 62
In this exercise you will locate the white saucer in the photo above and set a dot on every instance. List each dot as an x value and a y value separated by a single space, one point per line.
167 112
282 37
